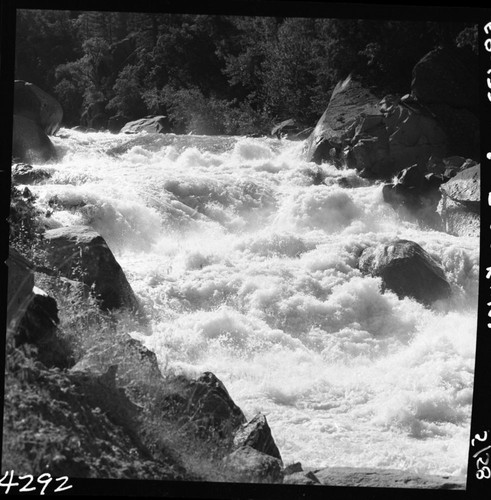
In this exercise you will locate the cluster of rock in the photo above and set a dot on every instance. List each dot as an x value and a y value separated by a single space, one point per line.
380 137
444 197
423 145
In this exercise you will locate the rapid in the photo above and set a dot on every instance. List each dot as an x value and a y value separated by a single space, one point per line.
244 257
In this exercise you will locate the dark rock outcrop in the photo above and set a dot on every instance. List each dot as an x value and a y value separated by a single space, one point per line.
151 124
254 466
34 104
349 100
206 403
406 269
257 434
376 137
380 138
460 203
80 253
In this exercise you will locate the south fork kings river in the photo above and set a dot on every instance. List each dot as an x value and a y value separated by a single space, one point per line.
247 267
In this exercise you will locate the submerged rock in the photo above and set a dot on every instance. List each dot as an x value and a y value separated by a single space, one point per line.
406 269
80 253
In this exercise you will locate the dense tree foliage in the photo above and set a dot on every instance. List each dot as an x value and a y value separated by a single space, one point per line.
215 74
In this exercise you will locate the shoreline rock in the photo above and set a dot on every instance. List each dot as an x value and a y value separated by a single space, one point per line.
79 252
385 478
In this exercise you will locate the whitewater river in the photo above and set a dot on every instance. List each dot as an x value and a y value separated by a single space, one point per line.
247 267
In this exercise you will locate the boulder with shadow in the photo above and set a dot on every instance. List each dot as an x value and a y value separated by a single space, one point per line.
80 253
407 270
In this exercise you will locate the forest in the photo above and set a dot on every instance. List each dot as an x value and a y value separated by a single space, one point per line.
215 74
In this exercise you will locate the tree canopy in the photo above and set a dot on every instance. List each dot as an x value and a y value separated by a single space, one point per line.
215 74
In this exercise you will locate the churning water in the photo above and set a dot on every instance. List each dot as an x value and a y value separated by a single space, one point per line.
245 258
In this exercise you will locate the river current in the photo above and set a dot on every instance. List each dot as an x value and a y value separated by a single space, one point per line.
244 257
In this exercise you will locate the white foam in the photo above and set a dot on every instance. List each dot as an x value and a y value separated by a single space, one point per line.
248 267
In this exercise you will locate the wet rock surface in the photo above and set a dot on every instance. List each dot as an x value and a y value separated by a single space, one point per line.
406 269
257 434
81 253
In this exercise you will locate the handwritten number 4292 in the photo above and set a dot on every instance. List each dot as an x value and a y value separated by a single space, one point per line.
7 482
483 472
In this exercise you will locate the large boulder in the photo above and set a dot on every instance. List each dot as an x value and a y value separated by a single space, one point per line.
461 202
349 100
257 434
151 124
253 466
376 137
438 118
79 252
30 144
36 105
206 402
404 134
406 269
446 81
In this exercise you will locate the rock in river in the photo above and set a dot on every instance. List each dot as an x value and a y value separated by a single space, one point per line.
406 269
